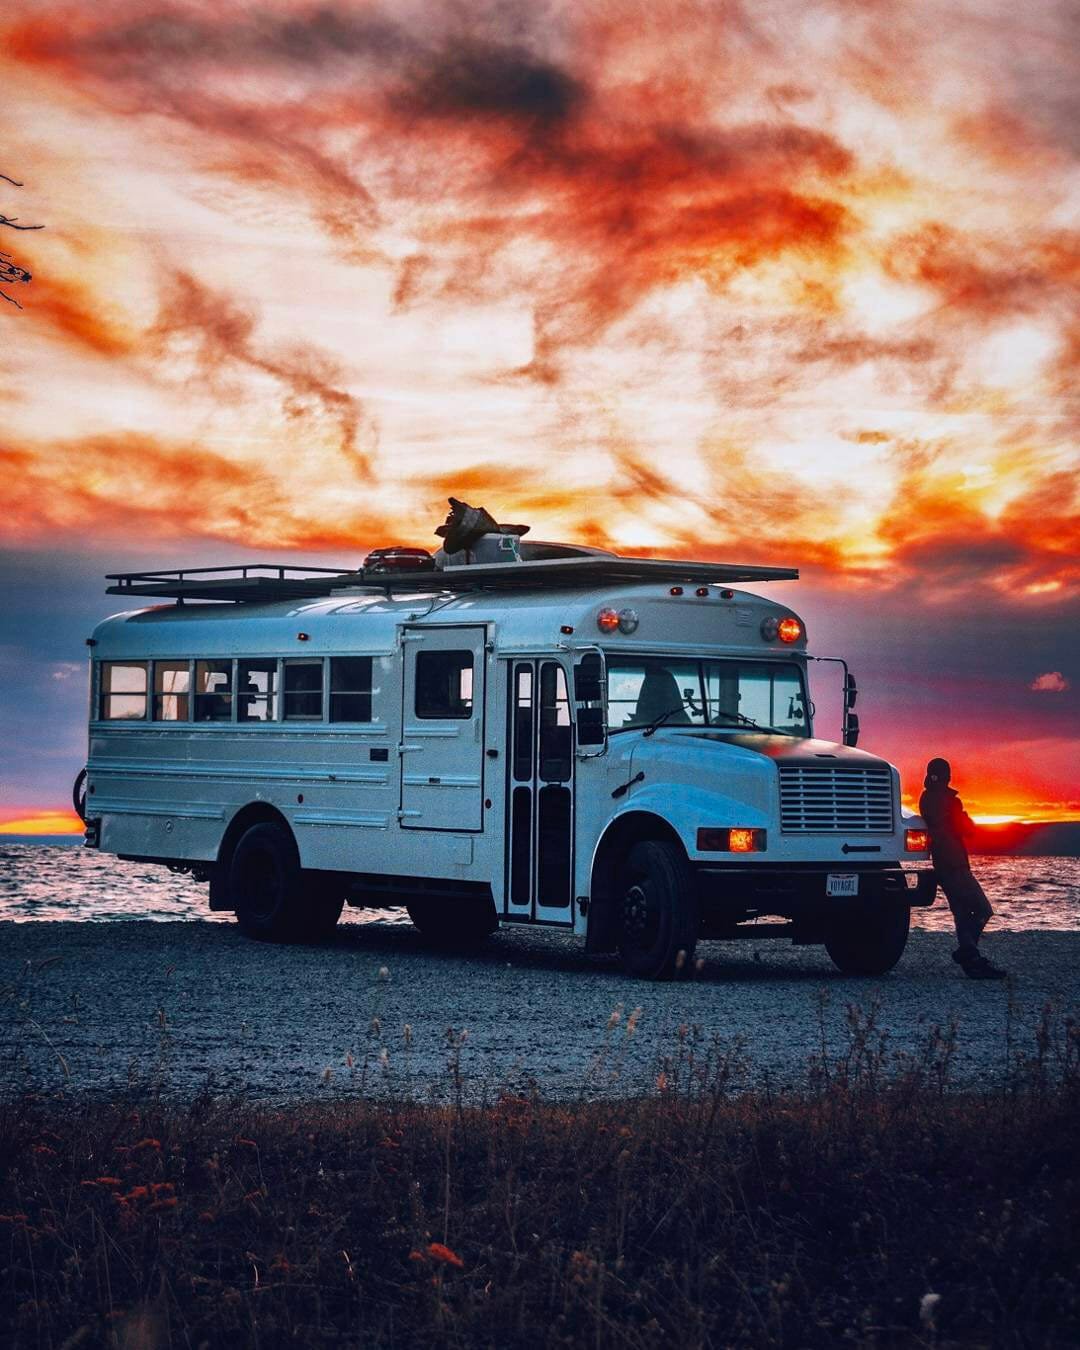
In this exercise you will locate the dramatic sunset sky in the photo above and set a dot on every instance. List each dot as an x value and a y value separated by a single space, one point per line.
784 282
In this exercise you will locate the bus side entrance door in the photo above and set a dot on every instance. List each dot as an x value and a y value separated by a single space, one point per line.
540 815
442 722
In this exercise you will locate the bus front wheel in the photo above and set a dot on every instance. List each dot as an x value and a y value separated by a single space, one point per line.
871 941
660 911
270 893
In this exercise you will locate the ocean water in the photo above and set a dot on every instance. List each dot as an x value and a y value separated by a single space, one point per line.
40 881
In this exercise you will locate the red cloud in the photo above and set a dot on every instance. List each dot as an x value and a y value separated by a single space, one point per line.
1053 682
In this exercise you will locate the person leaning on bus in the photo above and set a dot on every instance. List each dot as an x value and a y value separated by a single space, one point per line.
940 806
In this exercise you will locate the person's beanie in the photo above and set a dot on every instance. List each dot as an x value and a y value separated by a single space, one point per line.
937 771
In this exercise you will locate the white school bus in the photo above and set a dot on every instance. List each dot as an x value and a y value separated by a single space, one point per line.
505 733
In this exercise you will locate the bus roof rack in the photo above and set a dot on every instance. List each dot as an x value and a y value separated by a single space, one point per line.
254 582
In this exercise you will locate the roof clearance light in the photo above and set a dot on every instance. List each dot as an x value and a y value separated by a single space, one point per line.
769 627
789 629
916 841
607 620
702 590
628 620
675 590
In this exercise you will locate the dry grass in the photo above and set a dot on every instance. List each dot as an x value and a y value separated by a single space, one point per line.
876 1208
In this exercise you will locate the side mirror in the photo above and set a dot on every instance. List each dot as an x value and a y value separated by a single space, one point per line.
590 726
851 693
851 729
589 679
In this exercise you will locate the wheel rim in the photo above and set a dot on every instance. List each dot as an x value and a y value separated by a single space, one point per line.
261 884
641 919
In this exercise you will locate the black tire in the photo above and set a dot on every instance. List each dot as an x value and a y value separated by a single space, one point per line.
273 898
869 941
661 914
453 923
78 795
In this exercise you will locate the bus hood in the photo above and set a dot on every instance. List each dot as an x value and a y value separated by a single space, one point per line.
790 749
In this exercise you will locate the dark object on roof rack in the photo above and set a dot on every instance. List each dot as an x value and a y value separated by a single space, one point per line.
399 559
250 583
466 524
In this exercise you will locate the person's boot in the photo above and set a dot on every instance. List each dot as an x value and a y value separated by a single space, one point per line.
982 969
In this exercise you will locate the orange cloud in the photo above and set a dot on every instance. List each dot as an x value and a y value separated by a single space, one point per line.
218 332
129 486
76 314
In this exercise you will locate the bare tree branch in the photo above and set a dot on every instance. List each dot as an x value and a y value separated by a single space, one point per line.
11 273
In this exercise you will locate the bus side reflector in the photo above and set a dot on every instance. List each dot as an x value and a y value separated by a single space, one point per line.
916 841
737 840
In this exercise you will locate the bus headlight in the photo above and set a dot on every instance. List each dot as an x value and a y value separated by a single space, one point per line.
738 839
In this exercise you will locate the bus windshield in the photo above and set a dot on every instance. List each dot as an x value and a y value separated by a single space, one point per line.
684 691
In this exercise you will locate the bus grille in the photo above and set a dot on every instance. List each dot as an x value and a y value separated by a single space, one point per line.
821 799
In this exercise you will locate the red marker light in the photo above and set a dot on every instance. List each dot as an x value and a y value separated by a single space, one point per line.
567 628
916 841
675 590
702 590
607 620
789 629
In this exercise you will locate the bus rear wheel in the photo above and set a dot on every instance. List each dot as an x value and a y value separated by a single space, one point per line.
270 893
871 941
660 911
453 923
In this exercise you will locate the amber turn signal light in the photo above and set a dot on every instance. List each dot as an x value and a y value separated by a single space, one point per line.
916 841
736 840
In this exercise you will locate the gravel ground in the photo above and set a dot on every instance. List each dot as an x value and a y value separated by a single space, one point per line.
178 1007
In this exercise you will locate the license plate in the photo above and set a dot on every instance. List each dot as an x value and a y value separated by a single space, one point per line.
842 883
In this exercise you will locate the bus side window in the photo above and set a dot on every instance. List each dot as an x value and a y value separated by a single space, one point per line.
350 689
256 691
303 691
444 684
123 691
523 724
556 745
172 691
213 691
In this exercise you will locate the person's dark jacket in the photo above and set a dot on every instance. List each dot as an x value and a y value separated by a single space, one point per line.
940 806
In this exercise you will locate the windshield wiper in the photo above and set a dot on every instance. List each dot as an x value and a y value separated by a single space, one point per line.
658 722
742 720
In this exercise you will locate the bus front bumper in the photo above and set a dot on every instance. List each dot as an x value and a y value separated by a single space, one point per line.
800 892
